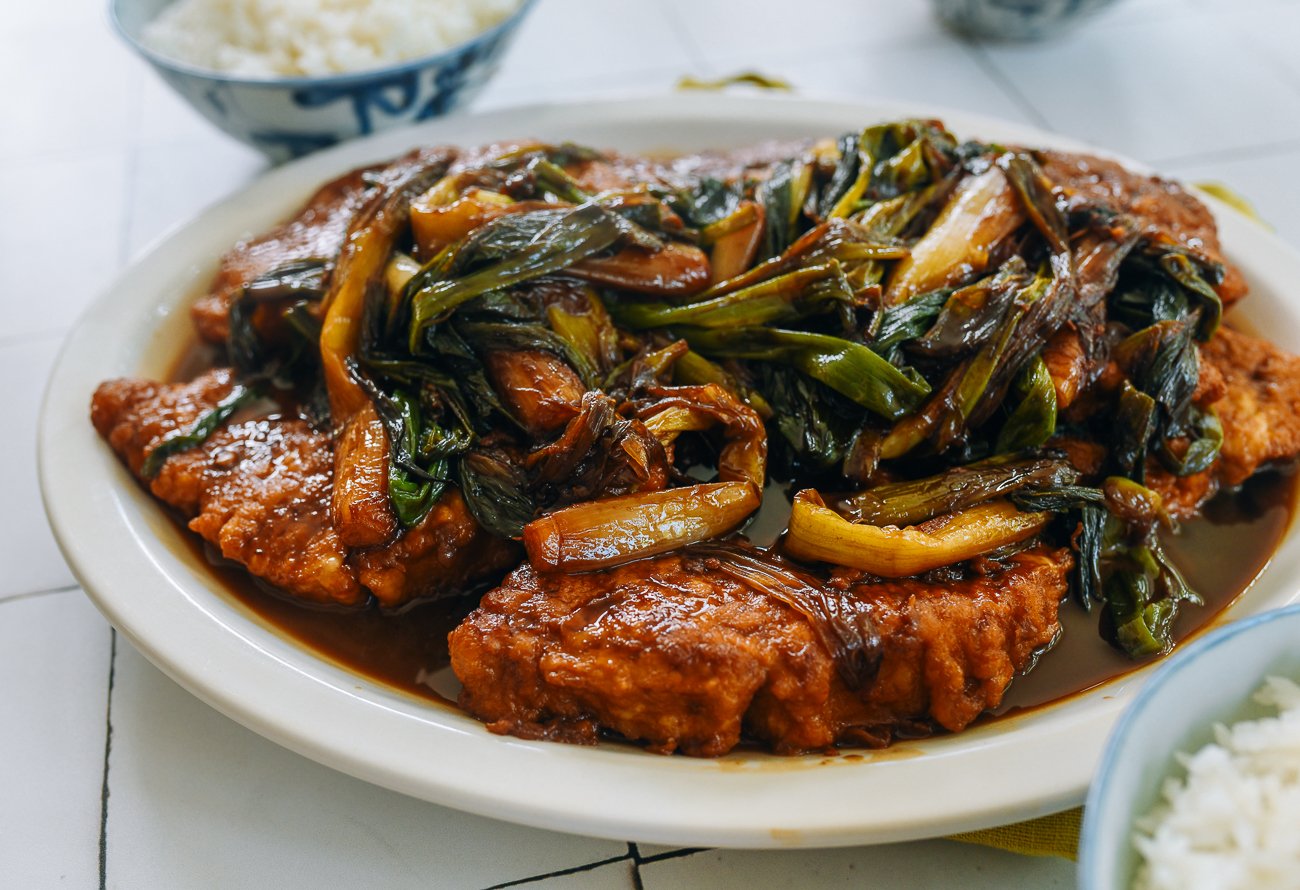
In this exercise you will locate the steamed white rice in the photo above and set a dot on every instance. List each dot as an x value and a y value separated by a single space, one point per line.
287 38
1234 821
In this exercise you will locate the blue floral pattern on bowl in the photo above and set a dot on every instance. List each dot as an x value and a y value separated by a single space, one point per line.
290 117
1014 19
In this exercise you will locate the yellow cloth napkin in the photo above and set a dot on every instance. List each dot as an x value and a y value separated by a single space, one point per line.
1054 835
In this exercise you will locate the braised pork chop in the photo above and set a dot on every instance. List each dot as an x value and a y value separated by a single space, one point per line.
673 652
1162 207
1260 406
258 490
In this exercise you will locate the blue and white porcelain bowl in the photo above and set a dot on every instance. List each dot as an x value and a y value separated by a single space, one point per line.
291 116
1014 19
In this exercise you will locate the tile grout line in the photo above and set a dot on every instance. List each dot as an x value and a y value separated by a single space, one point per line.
108 750
635 852
1244 153
632 856
575 870
693 50
672 854
33 594
130 178
977 54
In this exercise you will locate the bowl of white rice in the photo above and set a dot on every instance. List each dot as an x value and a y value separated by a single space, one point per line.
1199 785
293 76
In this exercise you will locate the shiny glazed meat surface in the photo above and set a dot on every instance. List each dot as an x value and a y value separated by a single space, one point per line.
678 654
1260 407
317 231
257 490
1160 205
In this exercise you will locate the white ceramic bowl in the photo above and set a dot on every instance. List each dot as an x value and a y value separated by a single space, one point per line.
1211 681
290 116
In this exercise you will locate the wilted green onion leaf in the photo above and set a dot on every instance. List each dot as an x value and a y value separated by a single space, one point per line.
782 195
1203 449
907 503
1135 422
1034 419
198 432
1186 273
562 242
495 491
846 367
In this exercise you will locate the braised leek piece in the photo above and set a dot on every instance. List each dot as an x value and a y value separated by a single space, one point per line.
819 533
505 252
907 503
609 531
983 211
361 509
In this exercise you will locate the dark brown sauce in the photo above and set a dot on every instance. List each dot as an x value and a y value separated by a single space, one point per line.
405 650
1220 554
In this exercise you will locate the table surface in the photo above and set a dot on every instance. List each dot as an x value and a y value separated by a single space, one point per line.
112 775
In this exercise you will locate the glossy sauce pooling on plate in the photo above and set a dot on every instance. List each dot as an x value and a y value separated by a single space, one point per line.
407 650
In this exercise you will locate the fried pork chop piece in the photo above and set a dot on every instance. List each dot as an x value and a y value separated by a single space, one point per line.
1260 406
675 653
258 490
1160 206
444 554
1254 388
316 231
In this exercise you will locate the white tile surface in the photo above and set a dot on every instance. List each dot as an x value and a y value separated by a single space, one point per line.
1272 26
199 801
69 89
65 245
21 17
1147 89
567 40
927 864
54 657
767 33
29 558
955 79
516 91
173 181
